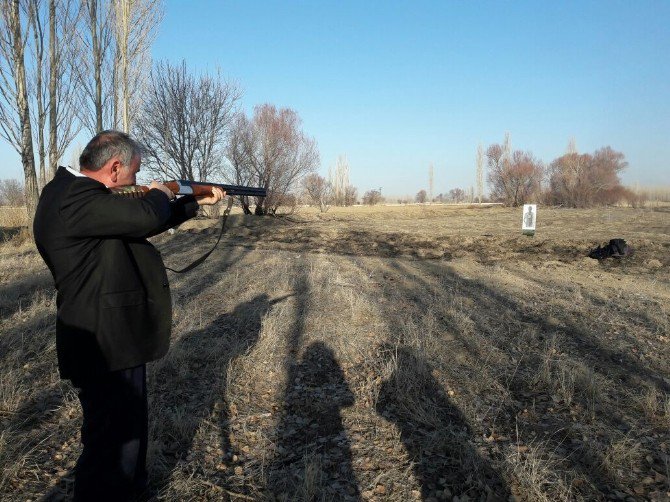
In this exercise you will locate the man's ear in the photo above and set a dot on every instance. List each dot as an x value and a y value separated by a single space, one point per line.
114 169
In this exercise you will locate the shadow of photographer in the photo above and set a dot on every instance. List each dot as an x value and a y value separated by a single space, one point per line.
433 431
313 458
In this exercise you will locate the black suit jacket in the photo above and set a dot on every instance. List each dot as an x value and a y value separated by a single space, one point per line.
114 307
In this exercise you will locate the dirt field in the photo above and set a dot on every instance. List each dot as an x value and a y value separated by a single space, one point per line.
394 353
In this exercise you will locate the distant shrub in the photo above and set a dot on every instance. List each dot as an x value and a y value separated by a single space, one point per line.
372 197
584 180
11 193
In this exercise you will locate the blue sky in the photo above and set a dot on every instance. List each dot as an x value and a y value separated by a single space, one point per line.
397 86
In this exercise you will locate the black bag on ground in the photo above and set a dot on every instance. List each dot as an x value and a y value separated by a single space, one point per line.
617 248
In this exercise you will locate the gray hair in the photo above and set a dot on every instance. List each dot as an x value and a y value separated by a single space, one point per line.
108 144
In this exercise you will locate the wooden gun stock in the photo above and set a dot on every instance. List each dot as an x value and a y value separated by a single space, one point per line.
185 187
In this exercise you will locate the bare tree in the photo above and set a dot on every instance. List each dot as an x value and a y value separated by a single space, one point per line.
513 181
507 150
52 98
239 152
457 195
319 191
480 172
11 193
372 197
430 183
350 195
344 194
185 121
36 21
339 179
95 71
280 154
584 180
421 197
136 23
63 60
15 124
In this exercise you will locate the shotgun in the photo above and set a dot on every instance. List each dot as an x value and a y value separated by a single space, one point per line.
186 187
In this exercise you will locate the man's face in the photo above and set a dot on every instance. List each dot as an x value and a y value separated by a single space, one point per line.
126 174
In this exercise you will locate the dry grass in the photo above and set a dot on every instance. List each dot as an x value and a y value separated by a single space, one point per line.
13 221
11 217
388 353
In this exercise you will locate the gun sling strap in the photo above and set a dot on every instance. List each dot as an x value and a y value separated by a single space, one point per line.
204 257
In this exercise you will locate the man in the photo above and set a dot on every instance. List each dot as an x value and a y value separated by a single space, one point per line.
114 307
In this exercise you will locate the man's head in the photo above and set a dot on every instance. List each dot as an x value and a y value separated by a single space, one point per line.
112 158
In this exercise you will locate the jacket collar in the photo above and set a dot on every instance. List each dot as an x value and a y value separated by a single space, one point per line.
68 171
74 173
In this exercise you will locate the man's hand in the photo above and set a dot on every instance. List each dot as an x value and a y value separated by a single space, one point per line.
162 188
210 200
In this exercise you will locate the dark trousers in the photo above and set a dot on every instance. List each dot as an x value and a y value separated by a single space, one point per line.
114 434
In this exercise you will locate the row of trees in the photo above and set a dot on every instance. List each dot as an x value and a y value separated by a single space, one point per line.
192 128
100 77
517 177
573 180
334 191
68 65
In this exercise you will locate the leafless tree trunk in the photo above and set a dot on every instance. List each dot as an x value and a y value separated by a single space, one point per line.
276 155
480 172
64 58
340 180
507 150
319 191
238 153
35 21
53 78
430 183
185 122
53 100
282 155
14 107
136 26
94 73
97 62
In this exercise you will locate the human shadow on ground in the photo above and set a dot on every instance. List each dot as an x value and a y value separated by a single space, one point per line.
313 455
434 432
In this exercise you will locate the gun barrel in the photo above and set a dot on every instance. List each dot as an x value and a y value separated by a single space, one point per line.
186 187
196 186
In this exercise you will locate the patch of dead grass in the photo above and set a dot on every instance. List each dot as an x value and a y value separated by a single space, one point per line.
457 359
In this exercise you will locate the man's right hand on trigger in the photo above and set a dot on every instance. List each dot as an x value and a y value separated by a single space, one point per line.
162 188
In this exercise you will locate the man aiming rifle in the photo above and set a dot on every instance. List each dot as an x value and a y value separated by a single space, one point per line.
113 301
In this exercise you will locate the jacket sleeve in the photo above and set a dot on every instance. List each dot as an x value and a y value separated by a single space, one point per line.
182 209
90 210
